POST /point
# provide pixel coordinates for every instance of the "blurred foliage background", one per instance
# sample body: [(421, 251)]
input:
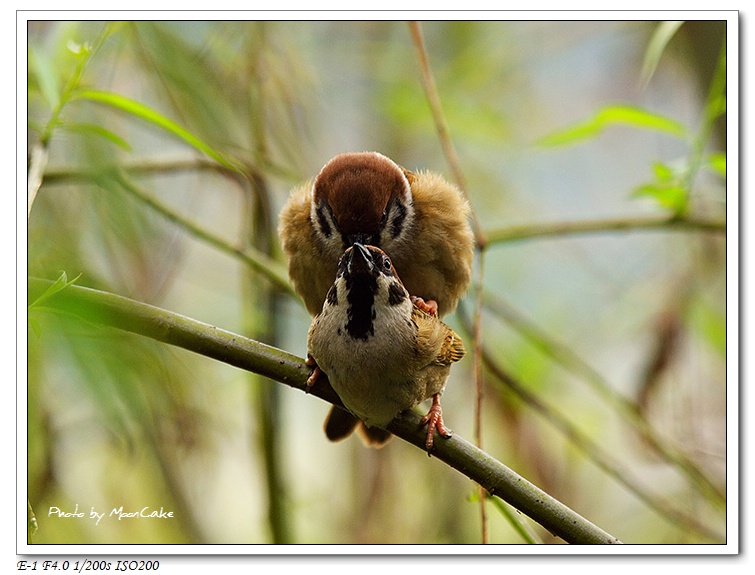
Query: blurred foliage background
[(165, 149)]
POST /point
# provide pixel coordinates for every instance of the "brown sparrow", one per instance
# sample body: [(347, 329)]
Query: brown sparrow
[(418, 219), (381, 352)]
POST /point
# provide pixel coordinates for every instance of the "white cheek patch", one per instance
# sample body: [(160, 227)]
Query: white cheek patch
[(395, 302)]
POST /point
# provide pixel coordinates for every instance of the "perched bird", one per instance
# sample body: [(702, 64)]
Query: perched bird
[(418, 219), (381, 352)]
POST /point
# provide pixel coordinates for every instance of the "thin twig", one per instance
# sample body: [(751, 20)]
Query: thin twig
[(562, 229), (478, 377), (441, 125), (431, 91), (713, 109), (168, 327), (84, 57), (255, 259), (143, 167), (251, 257), (37, 165)]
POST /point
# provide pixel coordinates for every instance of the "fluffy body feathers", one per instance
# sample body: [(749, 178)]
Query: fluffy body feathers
[(396, 357)]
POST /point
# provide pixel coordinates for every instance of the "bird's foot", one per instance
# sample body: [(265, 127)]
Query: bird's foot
[(430, 306), (316, 371), (434, 420)]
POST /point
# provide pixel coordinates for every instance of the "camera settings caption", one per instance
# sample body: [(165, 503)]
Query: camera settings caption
[(88, 565)]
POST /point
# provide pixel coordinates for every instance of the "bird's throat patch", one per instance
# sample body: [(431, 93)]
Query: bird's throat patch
[(361, 311)]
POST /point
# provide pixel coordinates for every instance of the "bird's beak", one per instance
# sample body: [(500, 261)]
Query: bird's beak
[(360, 258), (358, 238)]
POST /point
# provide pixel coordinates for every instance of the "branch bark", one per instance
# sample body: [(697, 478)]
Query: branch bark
[(168, 327)]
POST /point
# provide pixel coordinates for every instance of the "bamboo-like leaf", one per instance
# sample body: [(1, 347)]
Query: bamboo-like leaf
[(59, 284), (43, 71), (611, 116), (153, 117), (662, 172), (661, 37), (670, 195), (519, 526), (84, 128)]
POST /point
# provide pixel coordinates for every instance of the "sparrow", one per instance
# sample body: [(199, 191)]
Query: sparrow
[(419, 219), (382, 353)]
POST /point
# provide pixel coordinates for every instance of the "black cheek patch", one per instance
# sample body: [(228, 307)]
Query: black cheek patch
[(398, 221), (323, 221), (396, 294)]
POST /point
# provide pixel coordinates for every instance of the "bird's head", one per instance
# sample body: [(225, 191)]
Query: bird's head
[(361, 197), (368, 291)]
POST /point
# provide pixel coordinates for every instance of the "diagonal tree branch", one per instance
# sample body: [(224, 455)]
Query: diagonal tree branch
[(168, 327), (602, 458), (567, 358)]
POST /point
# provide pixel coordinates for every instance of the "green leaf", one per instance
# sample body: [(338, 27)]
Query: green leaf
[(518, 524), (59, 284), (96, 130), (669, 195), (610, 116), (717, 163), (42, 69), (153, 117), (661, 37), (717, 106), (663, 173)]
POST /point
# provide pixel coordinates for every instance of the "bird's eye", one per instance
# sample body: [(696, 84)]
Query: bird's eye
[(386, 264)]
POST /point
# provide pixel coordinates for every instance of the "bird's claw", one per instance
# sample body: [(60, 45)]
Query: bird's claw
[(434, 420), (430, 306)]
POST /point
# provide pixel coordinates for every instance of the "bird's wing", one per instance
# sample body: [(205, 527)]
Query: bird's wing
[(436, 339)]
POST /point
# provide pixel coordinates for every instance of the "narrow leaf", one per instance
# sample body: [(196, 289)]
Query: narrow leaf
[(614, 115), (672, 196), (519, 526), (661, 37), (42, 69), (59, 284), (98, 131), (639, 118), (662, 172), (153, 117)]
